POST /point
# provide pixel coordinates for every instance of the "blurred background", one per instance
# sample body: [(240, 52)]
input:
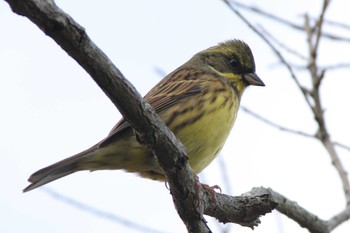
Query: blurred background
[(51, 109)]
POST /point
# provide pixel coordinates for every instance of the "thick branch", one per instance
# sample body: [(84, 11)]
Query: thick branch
[(150, 129), (190, 201), (244, 210)]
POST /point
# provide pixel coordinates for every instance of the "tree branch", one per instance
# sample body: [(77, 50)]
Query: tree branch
[(190, 200), (313, 38), (341, 145), (141, 116), (274, 49), (313, 100), (292, 25), (244, 210), (288, 130), (98, 212), (273, 124), (300, 215), (282, 45), (292, 210), (339, 219)]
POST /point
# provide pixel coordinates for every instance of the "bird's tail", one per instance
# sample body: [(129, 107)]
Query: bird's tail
[(59, 169)]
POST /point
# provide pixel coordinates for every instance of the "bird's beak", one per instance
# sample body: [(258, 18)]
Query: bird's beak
[(253, 79)]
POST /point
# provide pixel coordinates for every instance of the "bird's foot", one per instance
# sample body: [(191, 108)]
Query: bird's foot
[(207, 188)]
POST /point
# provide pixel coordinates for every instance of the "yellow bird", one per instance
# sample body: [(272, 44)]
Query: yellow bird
[(198, 102)]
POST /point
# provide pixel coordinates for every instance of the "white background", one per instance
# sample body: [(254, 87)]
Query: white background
[(51, 109)]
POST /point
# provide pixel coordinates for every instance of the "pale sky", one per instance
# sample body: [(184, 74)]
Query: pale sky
[(52, 109)]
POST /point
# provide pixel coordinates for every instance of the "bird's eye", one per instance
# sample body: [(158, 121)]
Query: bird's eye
[(234, 63)]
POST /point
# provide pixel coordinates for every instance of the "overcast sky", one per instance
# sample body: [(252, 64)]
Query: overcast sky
[(51, 109)]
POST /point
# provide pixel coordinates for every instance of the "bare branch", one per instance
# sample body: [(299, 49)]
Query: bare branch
[(292, 25), (317, 77), (294, 211), (337, 66), (244, 210), (312, 55), (98, 212), (274, 49), (141, 116), (224, 174), (335, 37), (288, 130), (339, 219), (312, 96), (305, 219), (324, 68), (273, 124), (337, 24), (190, 200), (339, 167), (341, 145), (319, 23), (269, 15), (282, 45)]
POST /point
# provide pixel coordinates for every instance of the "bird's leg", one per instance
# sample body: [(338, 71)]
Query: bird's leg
[(209, 189)]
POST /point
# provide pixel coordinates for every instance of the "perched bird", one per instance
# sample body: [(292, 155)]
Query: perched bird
[(198, 102)]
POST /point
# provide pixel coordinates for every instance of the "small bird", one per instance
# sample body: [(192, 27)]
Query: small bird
[(198, 101)]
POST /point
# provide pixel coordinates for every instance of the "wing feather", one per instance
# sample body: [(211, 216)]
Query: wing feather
[(175, 87)]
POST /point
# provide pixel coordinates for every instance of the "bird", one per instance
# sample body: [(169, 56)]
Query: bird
[(198, 102)]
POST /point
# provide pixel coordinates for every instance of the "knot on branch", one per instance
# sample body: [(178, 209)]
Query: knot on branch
[(244, 210)]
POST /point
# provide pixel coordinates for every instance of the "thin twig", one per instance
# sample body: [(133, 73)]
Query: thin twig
[(314, 34), (313, 39), (337, 66), (274, 49), (324, 68), (190, 200), (341, 145), (288, 130), (227, 186), (282, 45), (225, 175), (335, 37), (337, 24), (319, 24), (98, 212), (290, 24), (149, 128), (268, 15), (273, 124)]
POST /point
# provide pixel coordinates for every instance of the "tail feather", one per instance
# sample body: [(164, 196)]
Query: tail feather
[(58, 170)]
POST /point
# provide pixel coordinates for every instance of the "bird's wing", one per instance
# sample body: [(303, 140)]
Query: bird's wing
[(177, 86)]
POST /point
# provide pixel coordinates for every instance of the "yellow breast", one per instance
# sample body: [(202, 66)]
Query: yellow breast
[(205, 127)]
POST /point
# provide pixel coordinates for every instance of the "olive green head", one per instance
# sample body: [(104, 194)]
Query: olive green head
[(234, 61)]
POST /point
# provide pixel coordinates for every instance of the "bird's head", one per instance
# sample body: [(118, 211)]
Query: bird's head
[(234, 61)]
